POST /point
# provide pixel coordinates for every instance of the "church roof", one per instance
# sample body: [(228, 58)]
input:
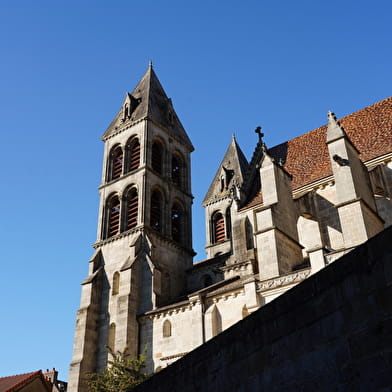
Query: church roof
[(235, 165), (306, 157), (13, 383), (150, 100)]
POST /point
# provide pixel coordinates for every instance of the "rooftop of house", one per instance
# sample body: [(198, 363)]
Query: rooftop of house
[(13, 383)]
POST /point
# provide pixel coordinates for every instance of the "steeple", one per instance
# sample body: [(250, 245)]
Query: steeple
[(148, 100), (231, 172)]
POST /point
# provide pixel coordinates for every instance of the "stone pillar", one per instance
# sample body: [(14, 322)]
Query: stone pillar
[(354, 197), (278, 248)]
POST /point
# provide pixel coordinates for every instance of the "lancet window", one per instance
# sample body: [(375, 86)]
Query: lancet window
[(133, 154), (177, 168), (157, 157), (131, 209), (116, 283), (115, 163), (113, 216), (156, 211), (177, 218), (218, 227)]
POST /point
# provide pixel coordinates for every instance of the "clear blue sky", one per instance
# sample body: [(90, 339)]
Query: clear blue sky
[(228, 66)]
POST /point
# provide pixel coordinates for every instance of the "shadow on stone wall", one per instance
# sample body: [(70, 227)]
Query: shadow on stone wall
[(333, 332)]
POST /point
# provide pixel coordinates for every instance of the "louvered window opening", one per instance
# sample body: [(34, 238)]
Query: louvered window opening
[(176, 171), (176, 223), (157, 157), (219, 228), (132, 207), (134, 158), (117, 163), (156, 212), (114, 217)]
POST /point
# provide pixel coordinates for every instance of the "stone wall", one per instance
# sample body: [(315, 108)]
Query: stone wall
[(333, 332)]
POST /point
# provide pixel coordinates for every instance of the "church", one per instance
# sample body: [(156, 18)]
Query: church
[(271, 222)]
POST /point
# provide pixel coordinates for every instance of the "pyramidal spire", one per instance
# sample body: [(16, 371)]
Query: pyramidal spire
[(334, 129), (150, 102), (233, 168)]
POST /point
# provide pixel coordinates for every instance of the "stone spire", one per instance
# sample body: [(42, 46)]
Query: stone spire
[(233, 169), (150, 101)]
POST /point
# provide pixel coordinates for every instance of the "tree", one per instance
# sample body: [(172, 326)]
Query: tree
[(120, 375)]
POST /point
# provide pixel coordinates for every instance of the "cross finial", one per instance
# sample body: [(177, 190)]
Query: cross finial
[(261, 134)]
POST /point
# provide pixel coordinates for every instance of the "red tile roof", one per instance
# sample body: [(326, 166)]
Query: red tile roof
[(306, 156), (12, 383)]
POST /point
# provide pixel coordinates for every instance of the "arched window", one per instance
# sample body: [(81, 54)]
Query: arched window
[(177, 170), (166, 329), (116, 283), (156, 211), (112, 336), (133, 154), (177, 217), (157, 157), (113, 213), (218, 227), (132, 209), (116, 163)]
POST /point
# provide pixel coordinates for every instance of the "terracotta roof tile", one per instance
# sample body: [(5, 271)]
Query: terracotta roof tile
[(11, 383), (306, 156)]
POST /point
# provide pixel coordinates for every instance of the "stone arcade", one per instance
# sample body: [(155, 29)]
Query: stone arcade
[(270, 224)]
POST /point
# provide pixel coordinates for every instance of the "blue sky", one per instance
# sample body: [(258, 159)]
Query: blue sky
[(229, 66)]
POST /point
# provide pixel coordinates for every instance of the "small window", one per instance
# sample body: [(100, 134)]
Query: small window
[(156, 211), (116, 283), (132, 209), (113, 216), (218, 226), (157, 157), (167, 329), (177, 222), (116, 163), (112, 336)]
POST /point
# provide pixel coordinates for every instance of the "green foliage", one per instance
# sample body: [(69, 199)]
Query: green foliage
[(120, 375)]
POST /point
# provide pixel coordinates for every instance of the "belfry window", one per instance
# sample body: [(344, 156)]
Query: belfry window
[(133, 154), (177, 217), (132, 209), (176, 170), (116, 163), (113, 216), (157, 157), (156, 211), (218, 227)]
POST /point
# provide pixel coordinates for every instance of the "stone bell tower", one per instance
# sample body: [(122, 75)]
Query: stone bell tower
[(144, 239)]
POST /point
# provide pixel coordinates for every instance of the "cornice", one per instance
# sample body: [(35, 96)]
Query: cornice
[(284, 280)]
